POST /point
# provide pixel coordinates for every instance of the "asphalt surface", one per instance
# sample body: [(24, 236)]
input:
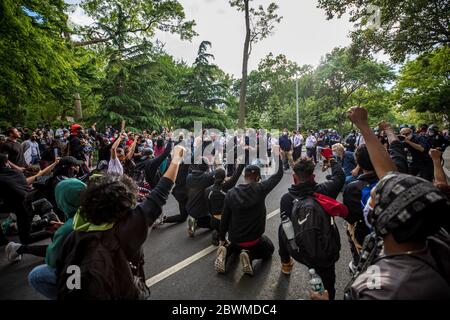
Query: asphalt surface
[(168, 245)]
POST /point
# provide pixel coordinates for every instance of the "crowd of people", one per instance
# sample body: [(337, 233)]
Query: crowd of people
[(95, 193)]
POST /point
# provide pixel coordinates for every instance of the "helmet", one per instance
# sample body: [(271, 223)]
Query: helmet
[(434, 128)]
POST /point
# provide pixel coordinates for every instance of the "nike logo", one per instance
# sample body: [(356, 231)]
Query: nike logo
[(300, 222)]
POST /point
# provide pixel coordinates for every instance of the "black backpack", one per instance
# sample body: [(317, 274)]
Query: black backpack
[(316, 234), (105, 271), (215, 198)]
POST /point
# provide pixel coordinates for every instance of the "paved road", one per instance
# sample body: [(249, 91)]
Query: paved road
[(169, 245)]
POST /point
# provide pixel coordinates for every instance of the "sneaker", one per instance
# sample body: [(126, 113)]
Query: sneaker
[(215, 238), (351, 267), (219, 264), (160, 221), (286, 268), (11, 252), (192, 225), (246, 263)]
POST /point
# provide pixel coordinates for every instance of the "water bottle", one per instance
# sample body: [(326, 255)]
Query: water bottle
[(289, 231), (316, 282)]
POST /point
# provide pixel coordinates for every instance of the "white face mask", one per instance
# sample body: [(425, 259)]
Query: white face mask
[(366, 212)]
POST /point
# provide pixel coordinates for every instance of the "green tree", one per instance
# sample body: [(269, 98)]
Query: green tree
[(135, 87), (35, 59), (398, 27), (118, 23), (273, 84), (340, 74), (202, 93), (424, 84), (259, 24)]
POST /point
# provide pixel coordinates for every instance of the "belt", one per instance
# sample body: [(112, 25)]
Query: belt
[(249, 243)]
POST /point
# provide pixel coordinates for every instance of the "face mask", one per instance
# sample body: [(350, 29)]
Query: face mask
[(367, 212)]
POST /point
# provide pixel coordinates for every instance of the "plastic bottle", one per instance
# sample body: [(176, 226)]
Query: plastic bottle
[(316, 282), (289, 231)]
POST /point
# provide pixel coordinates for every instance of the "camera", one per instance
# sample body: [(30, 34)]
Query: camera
[(44, 209), (401, 138)]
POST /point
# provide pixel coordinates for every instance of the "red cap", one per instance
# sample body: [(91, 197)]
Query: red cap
[(74, 128)]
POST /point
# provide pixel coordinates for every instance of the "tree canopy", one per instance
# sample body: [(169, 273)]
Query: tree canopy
[(120, 71)]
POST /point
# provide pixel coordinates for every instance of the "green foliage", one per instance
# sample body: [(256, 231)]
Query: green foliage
[(405, 26), (118, 23), (35, 60), (424, 83), (203, 93)]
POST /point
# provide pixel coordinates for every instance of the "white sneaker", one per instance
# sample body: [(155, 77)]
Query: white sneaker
[(246, 263), (11, 252), (219, 264)]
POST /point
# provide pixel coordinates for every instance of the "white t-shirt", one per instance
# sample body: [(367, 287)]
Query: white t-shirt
[(115, 167), (359, 140), (310, 141), (298, 140)]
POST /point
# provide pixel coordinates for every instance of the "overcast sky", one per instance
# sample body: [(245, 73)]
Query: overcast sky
[(304, 35)]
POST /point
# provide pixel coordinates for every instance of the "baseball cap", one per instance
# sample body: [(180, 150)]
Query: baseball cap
[(252, 170), (69, 160)]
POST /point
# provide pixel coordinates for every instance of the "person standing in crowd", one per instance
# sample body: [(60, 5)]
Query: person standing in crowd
[(350, 141), (298, 144), (244, 218), (436, 139), (60, 131), (76, 148), (13, 148), (334, 138), (34, 147), (311, 143), (418, 146), (303, 189), (286, 149)]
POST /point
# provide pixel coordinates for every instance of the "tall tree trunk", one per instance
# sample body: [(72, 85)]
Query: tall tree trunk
[(243, 91), (77, 107)]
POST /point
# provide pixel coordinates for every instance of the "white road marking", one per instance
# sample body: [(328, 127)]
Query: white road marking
[(188, 261)]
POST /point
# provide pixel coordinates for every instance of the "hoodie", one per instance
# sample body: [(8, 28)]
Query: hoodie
[(67, 195), (330, 188), (197, 182), (244, 212)]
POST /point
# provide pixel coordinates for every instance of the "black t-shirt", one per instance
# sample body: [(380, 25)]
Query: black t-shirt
[(14, 151), (417, 156), (14, 186)]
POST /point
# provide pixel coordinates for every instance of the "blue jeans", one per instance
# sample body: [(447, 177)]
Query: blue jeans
[(44, 280), (34, 159)]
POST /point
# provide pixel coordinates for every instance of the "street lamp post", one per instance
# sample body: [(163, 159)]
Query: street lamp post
[(296, 93)]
